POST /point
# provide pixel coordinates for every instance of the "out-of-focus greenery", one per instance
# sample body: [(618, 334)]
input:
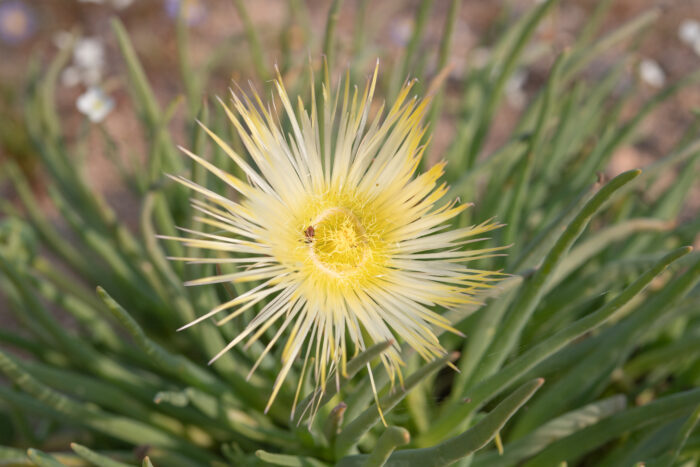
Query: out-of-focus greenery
[(14, 140), (597, 330)]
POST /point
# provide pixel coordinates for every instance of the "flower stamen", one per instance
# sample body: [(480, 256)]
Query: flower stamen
[(340, 245)]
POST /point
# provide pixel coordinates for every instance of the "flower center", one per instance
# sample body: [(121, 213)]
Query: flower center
[(337, 241)]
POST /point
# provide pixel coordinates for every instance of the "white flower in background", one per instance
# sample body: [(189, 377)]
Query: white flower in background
[(514, 89), (89, 53), (95, 104), (689, 31), (17, 22), (651, 73), (88, 60)]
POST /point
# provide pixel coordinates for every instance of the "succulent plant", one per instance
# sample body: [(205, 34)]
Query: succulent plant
[(584, 353)]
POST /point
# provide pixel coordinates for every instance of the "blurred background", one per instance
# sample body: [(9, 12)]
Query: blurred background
[(92, 95)]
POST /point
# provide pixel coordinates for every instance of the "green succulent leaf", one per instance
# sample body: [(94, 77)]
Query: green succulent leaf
[(94, 457), (468, 442), (523, 448)]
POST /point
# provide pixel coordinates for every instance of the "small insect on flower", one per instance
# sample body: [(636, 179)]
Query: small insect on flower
[(309, 233), (345, 244)]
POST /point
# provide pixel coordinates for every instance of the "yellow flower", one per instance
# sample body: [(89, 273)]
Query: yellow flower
[(346, 245)]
